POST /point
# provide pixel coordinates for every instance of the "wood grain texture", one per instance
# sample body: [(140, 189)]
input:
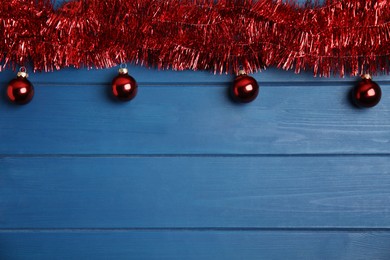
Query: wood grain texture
[(195, 245), (194, 120), (195, 192)]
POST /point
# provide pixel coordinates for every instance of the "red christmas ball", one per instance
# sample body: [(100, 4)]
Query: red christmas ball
[(366, 93), (244, 89), (20, 90), (124, 87)]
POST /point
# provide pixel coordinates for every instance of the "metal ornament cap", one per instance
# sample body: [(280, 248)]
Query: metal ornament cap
[(123, 71), (22, 74), (241, 72), (366, 76)]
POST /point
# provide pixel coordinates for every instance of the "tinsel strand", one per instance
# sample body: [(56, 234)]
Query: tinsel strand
[(336, 37)]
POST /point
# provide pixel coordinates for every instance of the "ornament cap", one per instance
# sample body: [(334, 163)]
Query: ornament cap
[(366, 76), (241, 72), (123, 71), (22, 74)]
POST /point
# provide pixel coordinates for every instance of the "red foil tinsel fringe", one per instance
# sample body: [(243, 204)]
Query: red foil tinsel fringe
[(337, 37)]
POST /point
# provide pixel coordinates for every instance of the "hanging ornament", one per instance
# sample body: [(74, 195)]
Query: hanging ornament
[(245, 88), (366, 93), (124, 86), (20, 90)]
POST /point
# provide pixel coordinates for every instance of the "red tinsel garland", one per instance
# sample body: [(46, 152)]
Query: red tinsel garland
[(344, 37)]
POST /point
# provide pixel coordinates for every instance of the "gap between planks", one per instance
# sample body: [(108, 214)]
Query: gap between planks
[(309, 155), (195, 229)]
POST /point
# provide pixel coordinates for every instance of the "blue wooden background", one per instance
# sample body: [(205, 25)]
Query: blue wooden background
[(181, 172)]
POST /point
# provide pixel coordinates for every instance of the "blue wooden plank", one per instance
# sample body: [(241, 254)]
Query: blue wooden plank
[(195, 245), (270, 76), (194, 120), (134, 192)]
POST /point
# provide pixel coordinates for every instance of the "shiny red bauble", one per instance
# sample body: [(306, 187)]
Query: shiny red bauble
[(244, 89), (20, 90), (366, 93), (124, 87)]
